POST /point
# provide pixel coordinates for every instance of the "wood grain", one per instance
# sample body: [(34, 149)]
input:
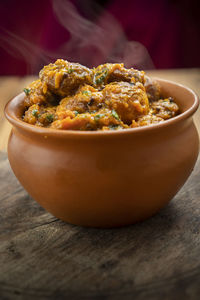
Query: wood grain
[(44, 258)]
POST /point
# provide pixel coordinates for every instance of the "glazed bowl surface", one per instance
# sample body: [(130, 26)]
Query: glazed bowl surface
[(109, 178)]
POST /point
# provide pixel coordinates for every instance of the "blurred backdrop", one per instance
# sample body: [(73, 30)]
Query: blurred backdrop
[(145, 34)]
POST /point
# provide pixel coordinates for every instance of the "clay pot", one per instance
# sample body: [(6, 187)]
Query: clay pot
[(110, 178)]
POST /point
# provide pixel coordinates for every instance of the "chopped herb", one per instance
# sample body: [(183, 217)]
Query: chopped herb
[(115, 115), (27, 91), (87, 93), (103, 74), (50, 118), (35, 112), (99, 80), (99, 116), (113, 126), (70, 71), (84, 115), (76, 112)]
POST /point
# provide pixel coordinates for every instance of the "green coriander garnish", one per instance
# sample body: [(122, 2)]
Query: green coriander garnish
[(100, 79), (113, 126), (83, 115), (115, 115), (70, 71), (87, 93), (50, 118), (76, 112), (35, 112), (99, 116), (27, 91)]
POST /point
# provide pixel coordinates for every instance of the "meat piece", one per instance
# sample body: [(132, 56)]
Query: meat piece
[(40, 115), (87, 99), (147, 120), (165, 108), (37, 93), (152, 88), (107, 73), (64, 78), (128, 100)]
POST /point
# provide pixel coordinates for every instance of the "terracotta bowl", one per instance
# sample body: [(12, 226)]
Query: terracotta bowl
[(105, 179)]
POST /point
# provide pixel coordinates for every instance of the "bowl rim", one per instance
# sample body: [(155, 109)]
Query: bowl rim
[(17, 122)]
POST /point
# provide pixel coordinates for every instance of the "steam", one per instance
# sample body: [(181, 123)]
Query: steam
[(22, 49), (94, 43), (91, 42)]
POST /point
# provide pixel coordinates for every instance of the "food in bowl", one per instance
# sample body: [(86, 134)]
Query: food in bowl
[(110, 97), (102, 178)]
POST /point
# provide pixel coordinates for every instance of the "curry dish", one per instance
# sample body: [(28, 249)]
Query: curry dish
[(109, 97)]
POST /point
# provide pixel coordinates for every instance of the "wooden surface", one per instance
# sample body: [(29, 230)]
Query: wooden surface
[(44, 258)]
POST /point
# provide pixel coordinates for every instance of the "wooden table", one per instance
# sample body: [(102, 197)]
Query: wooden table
[(44, 258)]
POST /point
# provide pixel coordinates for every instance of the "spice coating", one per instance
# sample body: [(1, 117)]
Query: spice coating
[(110, 97)]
